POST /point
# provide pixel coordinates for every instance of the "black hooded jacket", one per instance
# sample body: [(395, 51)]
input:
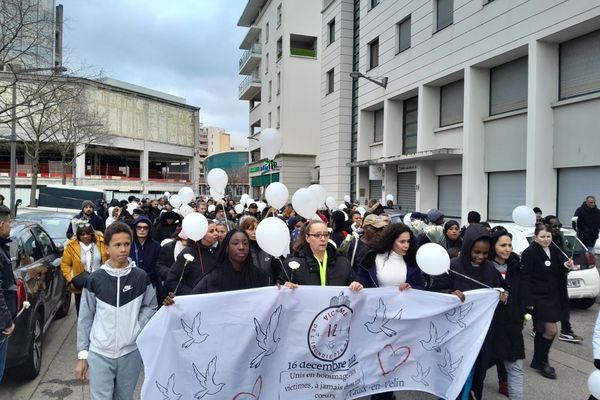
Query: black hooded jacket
[(146, 255), (485, 273), (185, 275), (588, 223)]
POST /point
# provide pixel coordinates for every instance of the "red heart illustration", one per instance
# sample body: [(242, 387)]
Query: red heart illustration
[(390, 359)]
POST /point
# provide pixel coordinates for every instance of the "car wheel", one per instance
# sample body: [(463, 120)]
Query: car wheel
[(31, 368), (63, 310), (583, 304)]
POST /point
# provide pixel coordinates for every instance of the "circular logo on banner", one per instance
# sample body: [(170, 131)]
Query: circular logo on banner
[(329, 332)]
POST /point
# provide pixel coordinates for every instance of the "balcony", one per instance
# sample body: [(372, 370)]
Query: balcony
[(250, 59), (250, 87), (255, 115)]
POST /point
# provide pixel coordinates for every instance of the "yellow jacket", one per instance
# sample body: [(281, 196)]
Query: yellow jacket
[(71, 260)]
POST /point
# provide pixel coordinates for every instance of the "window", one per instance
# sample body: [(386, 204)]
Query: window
[(330, 81), (279, 48), (378, 126), (267, 33), (27, 251), (270, 89), (267, 63), (452, 103), (278, 82), (580, 66), (301, 45), (46, 246), (409, 125), (279, 15), (278, 116), (269, 119), (374, 3), (374, 53), (508, 87), (444, 13), (331, 31), (403, 34)]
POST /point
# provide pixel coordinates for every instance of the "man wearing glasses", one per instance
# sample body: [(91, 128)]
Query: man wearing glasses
[(145, 250)]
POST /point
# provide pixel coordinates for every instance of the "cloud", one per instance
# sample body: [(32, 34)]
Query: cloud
[(188, 48)]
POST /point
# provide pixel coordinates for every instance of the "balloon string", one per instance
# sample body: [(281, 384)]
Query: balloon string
[(559, 249), (471, 279), (284, 271)]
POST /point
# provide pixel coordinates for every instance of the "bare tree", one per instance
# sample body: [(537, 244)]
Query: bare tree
[(39, 123), (78, 127)]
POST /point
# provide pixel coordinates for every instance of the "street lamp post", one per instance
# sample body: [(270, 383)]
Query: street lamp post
[(13, 132), (381, 81)]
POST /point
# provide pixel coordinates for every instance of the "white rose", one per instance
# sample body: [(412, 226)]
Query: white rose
[(188, 257), (294, 264), (26, 305)]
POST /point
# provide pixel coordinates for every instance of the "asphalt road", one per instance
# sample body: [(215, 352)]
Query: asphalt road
[(573, 363)]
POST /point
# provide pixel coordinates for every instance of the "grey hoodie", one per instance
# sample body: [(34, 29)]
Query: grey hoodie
[(116, 304)]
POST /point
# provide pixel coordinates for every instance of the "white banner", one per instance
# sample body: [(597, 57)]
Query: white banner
[(313, 343)]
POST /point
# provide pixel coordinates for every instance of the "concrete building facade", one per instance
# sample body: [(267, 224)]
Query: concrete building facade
[(218, 140), (488, 104), (281, 62)]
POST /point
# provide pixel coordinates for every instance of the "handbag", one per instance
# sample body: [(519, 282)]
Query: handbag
[(78, 281)]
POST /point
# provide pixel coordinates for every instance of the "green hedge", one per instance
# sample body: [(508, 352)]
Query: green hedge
[(303, 52)]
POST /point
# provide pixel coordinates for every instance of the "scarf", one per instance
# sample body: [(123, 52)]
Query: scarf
[(87, 255)]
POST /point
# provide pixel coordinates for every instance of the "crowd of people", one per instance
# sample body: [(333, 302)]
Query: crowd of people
[(138, 246)]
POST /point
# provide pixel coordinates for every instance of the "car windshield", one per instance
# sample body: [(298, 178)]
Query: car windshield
[(571, 245)]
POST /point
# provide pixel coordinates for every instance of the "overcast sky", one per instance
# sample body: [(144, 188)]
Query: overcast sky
[(188, 48)]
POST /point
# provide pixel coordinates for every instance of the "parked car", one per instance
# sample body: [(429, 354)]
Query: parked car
[(583, 284), (55, 223), (42, 295)]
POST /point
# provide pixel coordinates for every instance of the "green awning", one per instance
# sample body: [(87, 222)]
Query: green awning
[(264, 180)]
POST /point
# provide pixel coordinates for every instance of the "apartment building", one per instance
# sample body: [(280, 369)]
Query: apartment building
[(472, 104), (281, 65), (218, 140)]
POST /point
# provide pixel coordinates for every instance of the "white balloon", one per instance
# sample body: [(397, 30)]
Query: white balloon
[(216, 194), (261, 206), (195, 226), (211, 208), (330, 202), (304, 203), (273, 236), (238, 208), (524, 216), (347, 199), (131, 206), (342, 206), (270, 143), (175, 201), (361, 210), (389, 197), (186, 195), (249, 201), (433, 259), (407, 219), (594, 383), (185, 210), (167, 194), (217, 179), (244, 198), (277, 194), (319, 192)]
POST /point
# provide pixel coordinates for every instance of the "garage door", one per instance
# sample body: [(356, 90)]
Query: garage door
[(375, 190), (574, 185), (406, 196), (506, 190), (449, 195)]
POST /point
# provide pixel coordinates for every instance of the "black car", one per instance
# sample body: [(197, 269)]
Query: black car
[(42, 295), (55, 223)]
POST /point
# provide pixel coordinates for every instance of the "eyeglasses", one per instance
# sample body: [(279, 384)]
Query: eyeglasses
[(142, 227), (319, 235)]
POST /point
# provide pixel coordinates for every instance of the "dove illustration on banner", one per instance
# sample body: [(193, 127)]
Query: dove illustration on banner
[(266, 339), (207, 380), (421, 375), (168, 391), (255, 395), (379, 323), (449, 367), (434, 342), (193, 332), (457, 315)]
